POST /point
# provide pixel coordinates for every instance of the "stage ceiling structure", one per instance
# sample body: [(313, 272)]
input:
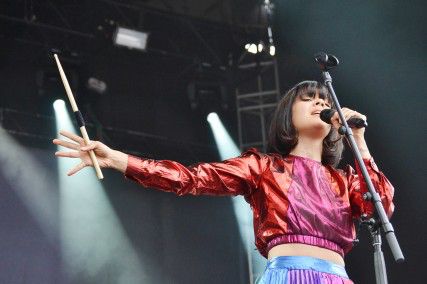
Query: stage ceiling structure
[(187, 34)]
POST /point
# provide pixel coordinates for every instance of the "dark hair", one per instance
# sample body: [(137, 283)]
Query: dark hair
[(283, 136)]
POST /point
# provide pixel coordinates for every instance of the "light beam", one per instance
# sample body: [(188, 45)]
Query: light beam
[(228, 149), (93, 241)]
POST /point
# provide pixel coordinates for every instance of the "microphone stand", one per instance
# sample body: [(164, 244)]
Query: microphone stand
[(381, 222)]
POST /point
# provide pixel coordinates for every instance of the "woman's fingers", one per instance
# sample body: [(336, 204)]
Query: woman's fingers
[(66, 144), (348, 113), (80, 148), (67, 154), (76, 169), (72, 136), (89, 147), (335, 120)]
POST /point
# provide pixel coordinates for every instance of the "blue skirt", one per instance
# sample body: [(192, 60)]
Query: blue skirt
[(303, 270)]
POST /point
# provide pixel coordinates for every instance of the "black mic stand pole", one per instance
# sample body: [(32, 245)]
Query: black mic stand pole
[(326, 62)]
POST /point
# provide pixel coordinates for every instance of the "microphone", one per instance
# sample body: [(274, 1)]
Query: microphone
[(326, 61), (353, 122)]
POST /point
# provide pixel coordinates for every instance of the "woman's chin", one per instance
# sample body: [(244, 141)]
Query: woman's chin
[(319, 129)]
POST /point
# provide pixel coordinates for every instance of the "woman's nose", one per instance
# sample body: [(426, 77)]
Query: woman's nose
[(320, 102)]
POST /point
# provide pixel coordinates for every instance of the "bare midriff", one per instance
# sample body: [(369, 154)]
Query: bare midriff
[(306, 250)]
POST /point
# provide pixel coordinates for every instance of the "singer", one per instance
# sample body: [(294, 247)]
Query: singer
[(303, 206)]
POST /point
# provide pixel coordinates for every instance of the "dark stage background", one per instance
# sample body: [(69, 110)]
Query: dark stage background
[(382, 48), (179, 240)]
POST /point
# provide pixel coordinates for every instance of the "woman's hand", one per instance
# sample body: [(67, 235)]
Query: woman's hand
[(358, 133), (105, 155), (348, 113)]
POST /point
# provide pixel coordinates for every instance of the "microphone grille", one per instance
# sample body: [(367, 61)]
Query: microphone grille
[(326, 115)]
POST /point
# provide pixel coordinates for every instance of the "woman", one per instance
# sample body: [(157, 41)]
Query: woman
[(303, 208)]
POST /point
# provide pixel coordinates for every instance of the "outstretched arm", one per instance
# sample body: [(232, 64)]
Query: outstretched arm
[(237, 176)]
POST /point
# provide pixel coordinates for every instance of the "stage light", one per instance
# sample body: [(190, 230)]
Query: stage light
[(58, 105), (208, 91), (260, 47), (131, 38), (272, 50), (226, 146), (211, 117), (96, 85), (252, 48)]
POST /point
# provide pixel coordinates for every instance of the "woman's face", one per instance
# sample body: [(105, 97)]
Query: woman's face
[(306, 116)]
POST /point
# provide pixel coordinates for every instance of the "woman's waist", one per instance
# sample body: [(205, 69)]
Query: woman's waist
[(312, 240), (298, 249)]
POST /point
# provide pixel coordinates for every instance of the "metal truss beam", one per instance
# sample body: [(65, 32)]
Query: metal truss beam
[(256, 98), (39, 130)]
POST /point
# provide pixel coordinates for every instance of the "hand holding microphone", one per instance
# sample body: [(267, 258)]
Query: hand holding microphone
[(355, 120)]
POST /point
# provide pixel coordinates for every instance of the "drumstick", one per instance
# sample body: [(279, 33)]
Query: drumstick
[(79, 117)]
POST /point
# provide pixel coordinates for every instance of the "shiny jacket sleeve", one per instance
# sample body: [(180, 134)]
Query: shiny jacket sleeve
[(236, 176), (357, 188)]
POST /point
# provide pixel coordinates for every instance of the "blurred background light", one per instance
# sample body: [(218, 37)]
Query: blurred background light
[(131, 38)]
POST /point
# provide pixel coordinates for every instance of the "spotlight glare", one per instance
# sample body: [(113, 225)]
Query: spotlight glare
[(272, 50), (58, 104), (226, 146), (253, 48), (212, 117)]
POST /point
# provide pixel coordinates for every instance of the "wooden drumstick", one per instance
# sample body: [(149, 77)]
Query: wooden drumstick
[(79, 117)]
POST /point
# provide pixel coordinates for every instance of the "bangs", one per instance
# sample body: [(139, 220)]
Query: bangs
[(310, 88)]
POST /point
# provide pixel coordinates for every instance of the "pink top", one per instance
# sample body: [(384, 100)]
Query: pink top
[(316, 214)]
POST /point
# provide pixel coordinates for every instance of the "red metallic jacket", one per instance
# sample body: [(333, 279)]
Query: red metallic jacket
[(293, 199)]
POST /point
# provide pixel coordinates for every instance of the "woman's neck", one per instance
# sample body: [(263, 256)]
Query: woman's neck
[(309, 148)]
